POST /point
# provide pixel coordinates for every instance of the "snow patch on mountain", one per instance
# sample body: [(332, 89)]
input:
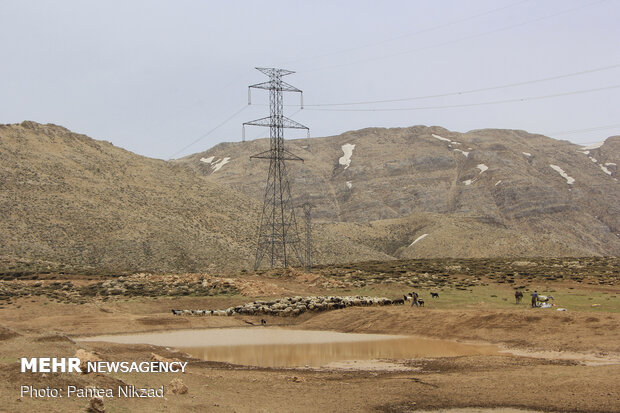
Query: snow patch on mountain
[(219, 163), (440, 138), (418, 239), (607, 171), (345, 159), (593, 146), (559, 170)]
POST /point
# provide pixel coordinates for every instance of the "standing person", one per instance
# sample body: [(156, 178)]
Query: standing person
[(414, 299), (518, 296), (534, 298)]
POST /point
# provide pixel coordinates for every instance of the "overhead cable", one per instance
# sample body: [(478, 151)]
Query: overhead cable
[(464, 92), (404, 35), (201, 137), (577, 92), (512, 26)]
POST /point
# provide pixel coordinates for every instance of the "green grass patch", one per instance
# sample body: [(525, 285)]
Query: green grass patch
[(496, 296)]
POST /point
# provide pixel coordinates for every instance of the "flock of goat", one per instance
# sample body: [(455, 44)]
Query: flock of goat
[(293, 306)]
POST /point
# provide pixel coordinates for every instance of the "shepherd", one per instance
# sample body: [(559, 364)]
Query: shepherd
[(518, 296)]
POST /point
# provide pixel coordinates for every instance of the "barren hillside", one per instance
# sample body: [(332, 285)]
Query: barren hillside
[(483, 193), (71, 203)]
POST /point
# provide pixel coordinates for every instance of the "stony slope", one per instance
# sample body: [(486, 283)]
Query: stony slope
[(482, 193), (71, 203)]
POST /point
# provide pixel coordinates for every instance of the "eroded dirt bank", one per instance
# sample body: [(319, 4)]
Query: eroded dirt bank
[(523, 328)]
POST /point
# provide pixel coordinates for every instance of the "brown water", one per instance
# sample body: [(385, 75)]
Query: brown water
[(275, 347)]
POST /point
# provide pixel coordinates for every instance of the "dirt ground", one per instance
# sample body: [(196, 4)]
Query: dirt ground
[(562, 361)]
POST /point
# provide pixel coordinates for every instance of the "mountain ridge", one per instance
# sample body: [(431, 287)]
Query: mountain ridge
[(71, 203), (506, 178)]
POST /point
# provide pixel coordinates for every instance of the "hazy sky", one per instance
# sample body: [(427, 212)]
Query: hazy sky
[(154, 76)]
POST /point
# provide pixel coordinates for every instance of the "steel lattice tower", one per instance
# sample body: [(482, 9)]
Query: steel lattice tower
[(278, 235), (307, 206)]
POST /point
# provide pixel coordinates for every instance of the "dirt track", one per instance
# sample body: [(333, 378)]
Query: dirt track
[(546, 382)]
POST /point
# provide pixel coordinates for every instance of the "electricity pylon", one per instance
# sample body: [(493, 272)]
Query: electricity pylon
[(278, 236)]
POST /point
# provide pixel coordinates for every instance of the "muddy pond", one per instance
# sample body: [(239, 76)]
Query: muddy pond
[(280, 347)]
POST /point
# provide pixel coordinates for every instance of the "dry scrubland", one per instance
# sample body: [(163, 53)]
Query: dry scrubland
[(95, 239), (569, 360)]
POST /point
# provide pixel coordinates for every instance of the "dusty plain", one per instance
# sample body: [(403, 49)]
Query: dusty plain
[(561, 361)]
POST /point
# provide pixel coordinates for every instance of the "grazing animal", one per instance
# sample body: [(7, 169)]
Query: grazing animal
[(177, 312), (421, 302), (518, 296), (434, 295), (263, 321), (544, 298)]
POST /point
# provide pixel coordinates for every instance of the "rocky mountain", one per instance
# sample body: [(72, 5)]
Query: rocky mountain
[(428, 192), (72, 203)]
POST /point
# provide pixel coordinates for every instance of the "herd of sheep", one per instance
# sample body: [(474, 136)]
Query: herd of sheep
[(294, 306)]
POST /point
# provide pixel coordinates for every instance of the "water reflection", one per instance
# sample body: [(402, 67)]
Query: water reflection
[(277, 347), (316, 355)]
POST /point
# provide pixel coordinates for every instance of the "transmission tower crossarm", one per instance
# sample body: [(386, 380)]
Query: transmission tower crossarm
[(260, 122), (291, 124), (283, 122), (269, 155), (283, 86), (273, 72), (291, 156)]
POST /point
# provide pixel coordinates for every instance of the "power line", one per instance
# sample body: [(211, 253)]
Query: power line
[(464, 92), (591, 129), (209, 132), (456, 40), (404, 35), (578, 92)]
